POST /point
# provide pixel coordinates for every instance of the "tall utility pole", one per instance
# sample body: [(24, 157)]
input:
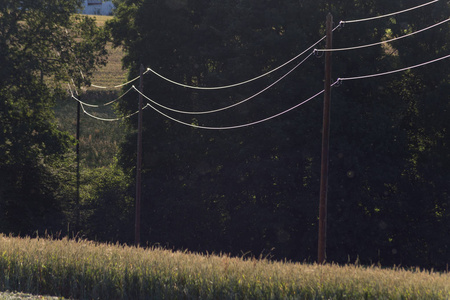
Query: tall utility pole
[(325, 147), (137, 227)]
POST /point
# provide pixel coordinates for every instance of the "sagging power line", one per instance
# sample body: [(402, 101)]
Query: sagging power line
[(341, 23), (383, 42), (229, 106), (119, 85), (394, 71), (242, 82), (390, 14), (236, 126), (83, 104), (336, 83), (106, 119), (260, 76), (289, 61), (100, 105)]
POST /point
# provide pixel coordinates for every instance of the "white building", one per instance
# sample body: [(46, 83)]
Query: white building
[(97, 7)]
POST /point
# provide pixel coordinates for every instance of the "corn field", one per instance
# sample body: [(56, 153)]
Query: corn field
[(87, 270)]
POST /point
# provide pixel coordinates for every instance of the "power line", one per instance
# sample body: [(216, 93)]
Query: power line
[(117, 86), (83, 104), (339, 80), (239, 83), (382, 42), (388, 15), (237, 126), (286, 63), (109, 120), (101, 105), (230, 106), (75, 86), (260, 76), (312, 46), (394, 71)]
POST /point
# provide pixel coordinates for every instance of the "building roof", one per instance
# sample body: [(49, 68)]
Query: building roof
[(97, 7)]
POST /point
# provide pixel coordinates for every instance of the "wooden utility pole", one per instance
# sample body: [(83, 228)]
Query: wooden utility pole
[(137, 227), (325, 147)]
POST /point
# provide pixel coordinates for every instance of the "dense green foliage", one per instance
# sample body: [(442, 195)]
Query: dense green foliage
[(256, 189), (41, 45), (85, 270)]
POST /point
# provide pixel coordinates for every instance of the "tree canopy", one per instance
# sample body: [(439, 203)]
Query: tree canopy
[(42, 44), (256, 189)]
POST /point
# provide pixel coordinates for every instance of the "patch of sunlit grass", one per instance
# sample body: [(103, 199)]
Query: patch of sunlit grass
[(100, 20), (112, 74)]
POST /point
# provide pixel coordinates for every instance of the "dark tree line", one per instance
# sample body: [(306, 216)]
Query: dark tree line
[(256, 189)]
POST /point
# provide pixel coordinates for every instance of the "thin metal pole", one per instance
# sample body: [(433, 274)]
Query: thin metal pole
[(137, 227), (77, 137), (325, 147)]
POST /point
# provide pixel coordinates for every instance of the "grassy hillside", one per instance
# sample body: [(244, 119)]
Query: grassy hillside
[(85, 270), (112, 74), (101, 20)]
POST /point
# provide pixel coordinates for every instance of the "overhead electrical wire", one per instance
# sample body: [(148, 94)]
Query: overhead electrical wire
[(260, 76), (115, 86), (390, 14), (83, 104), (70, 89), (383, 42), (109, 120), (229, 106), (286, 63), (100, 105), (119, 85), (237, 126), (242, 82), (394, 71), (337, 82)]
